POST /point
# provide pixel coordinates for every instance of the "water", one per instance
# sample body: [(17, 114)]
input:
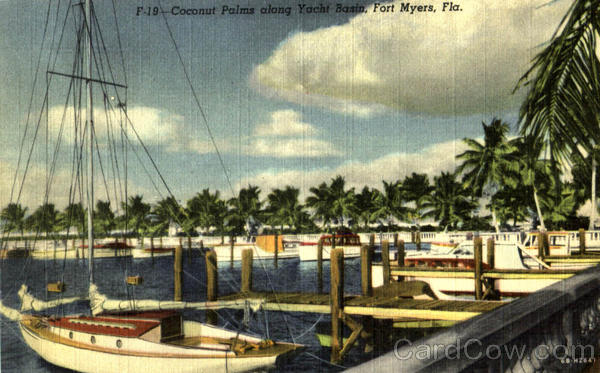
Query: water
[(291, 275)]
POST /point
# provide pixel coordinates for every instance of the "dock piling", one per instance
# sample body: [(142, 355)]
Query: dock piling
[(246, 271), (478, 244), (385, 258), (276, 254), (401, 255), (337, 302), (231, 247), (372, 240), (418, 240), (366, 275), (212, 284), (490, 291), (177, 273), (320, 266), (582, 241)]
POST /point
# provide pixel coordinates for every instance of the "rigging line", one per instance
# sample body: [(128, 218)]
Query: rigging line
[(30, 101), (113, 154), (119, 41), (210, 134), (106, 188)]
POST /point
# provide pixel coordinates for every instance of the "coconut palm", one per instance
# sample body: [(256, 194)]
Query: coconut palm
[(449, 203), (104, 217), (562, 105), (166, 211), (205, 210), (320, 202), (284, 208), (343, 202), (245, 209), (13, 218), (489, 166), (390, 203), (137, 214), (415, 187), (44, 219), (366, 206), (74, 215)]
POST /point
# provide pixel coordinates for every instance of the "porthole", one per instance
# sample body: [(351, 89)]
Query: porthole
[(93, 340), (119, 343), (71, 335)]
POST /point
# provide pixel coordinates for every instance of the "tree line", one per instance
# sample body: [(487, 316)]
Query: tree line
[(508, 174)]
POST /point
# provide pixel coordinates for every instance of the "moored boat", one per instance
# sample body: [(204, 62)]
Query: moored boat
[(348, 242)]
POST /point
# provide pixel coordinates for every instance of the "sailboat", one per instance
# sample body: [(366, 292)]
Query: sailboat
[(136, 335)]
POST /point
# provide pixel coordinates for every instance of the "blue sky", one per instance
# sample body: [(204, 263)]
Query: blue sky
[(291, 99)]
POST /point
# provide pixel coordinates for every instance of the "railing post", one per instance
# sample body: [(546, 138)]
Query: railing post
[(177, 271), (246, 271), (477, 243), (385, 258), (365, 270), (582, 241), (212, 284), (337, 302)]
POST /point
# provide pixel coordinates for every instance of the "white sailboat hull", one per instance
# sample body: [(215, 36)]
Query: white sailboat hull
[(137, 355)]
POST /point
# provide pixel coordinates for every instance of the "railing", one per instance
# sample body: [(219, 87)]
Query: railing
[(555, 329)]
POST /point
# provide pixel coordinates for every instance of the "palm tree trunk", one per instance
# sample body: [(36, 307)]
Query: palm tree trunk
[(495, 221), (537, 207), (593, 201)]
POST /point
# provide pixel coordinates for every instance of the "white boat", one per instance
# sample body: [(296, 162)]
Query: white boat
[(263, 247), (348, 242), (149, 252), (507, 256), (128, 337)]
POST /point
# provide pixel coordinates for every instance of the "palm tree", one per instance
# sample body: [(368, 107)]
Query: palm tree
[(366, 206), (343, 202), (245, 209), (415, 187), (320, 202), (449, 203), (205, 210), (166, 211), (390, 203), (562, 106), (44, 219), (137, 214), (284, 208), (104, 217), (489, 166), (74, 215), (13, 218)]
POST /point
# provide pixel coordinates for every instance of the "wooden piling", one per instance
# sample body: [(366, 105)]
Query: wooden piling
[(177, 273), (276, 254), (190, 253), (401, 254), (478, 244), (582, 241), (212, 284), (320, 266), (545, 244), (490, 292), (246, 271), (76, 248), (418, 240), (231, 248), (385, 258), (337, 302), (152, 248), (366, 276), (372, 240)]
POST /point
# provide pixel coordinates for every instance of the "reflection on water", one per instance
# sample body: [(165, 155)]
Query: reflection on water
[(110, 273)]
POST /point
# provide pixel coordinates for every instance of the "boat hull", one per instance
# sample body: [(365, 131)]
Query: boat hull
[(60, 348), (224, 252), (311, 252)]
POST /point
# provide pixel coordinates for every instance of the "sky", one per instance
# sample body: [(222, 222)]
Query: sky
[(288, 99)]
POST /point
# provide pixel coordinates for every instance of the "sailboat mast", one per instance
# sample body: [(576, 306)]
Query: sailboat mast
[(90, 119)]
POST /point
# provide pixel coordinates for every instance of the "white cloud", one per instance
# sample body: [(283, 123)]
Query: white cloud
[(154, 126), (286, 136), (285, 123), (438, 63), (390, 167)]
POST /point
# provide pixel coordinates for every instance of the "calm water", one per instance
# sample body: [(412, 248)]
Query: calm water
[(292, 275)]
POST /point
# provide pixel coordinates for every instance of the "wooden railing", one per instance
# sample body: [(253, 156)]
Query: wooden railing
[(554, 329)]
